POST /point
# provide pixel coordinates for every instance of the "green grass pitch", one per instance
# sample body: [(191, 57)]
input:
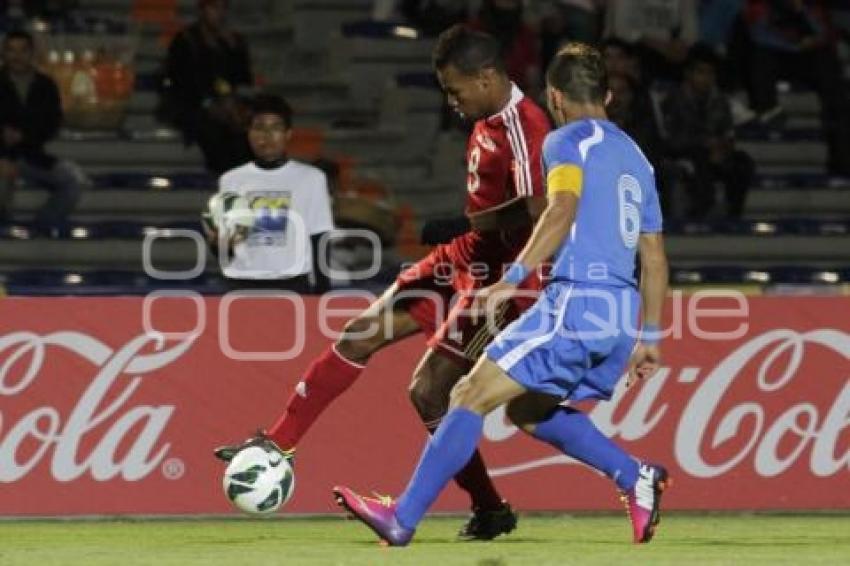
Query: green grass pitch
[(574, 539)]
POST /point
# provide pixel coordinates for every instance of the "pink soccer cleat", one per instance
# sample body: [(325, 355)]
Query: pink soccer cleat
[(643, 501), (377, 513)]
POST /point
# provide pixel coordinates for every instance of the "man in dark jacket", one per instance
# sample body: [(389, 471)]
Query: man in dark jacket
[(207, 69), (793, 40), (30, 116), (698, 123)]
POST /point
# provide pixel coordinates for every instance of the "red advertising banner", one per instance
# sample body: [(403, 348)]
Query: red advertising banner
[(113, 406)]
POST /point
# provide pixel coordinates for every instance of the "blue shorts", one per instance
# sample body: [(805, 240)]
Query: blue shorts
[(574, 342)]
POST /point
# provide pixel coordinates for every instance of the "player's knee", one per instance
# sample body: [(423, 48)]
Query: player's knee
[(354, 349), (360, 339), (531, 408), (468, 394), (519, 414), (459, 393)]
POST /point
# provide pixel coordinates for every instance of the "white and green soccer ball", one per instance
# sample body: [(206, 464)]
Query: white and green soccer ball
[(228, 212), (258, 481)]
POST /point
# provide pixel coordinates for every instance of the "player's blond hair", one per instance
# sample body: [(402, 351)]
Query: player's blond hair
[(578, 71)]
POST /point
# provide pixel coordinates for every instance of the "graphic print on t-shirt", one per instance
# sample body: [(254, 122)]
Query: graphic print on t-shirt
[(271, 217)]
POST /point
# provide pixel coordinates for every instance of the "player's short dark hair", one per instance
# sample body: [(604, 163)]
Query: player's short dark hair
[(467, 50), (19, 34), (273, 104), (578, 71), (701, 54)]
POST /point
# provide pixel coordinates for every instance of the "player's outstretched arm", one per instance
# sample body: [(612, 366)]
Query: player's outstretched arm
[(653, 288), (549, 232)]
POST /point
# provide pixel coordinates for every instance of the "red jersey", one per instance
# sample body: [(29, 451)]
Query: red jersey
[(504, 161), (504, 155)]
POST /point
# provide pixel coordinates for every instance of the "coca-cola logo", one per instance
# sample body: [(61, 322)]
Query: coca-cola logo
[(808, 429), (105, 404)]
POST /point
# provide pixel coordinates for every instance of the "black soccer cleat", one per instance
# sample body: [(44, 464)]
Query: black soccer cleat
[(226, 453), (488, 524)]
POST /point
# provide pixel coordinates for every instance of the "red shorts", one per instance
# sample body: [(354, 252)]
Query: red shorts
[(437, 292)]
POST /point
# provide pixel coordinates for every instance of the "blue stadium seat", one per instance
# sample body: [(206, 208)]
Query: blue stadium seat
[(116, 282), (792, 181), (93, 230), (756, 228), (376, 30), (105, 282), (147, 181), (736, 274), (772, 227), (147, 82), (421, 80), (760, 133)]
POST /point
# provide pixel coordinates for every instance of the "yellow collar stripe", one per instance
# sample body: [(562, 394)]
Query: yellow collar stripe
[(565, 178)]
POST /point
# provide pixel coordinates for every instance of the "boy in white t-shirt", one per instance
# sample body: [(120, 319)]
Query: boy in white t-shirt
[(291, 210)]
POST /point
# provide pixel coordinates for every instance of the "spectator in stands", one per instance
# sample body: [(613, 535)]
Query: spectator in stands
[(569, 20), (621, 59), (839, 13), (792, 40), (723, 27), (291, 210), (30, 116), (716, 20), (503, 19), (698, 122), (208, 70), (662, 32), (631, 109)]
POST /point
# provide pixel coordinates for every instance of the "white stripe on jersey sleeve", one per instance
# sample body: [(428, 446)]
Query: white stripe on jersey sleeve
[(519, 180), (526, 162)]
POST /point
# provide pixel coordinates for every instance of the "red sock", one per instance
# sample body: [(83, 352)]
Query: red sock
[(327, 377), (474, 480)]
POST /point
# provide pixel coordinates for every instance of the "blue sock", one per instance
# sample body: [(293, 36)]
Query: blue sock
[(573, 433), (448, 450)]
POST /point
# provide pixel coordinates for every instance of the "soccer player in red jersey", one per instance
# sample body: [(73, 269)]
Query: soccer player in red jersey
[(505, 192)]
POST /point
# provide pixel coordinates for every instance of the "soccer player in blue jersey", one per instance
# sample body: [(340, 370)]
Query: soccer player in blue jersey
[(577, 339)]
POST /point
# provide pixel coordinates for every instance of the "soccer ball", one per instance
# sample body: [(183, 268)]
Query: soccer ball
[(228, 212), (259, 482)]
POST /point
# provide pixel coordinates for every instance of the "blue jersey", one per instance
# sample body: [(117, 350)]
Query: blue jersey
[(618, 201)]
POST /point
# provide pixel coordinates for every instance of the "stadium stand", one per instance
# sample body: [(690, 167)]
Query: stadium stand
[(367, 104)]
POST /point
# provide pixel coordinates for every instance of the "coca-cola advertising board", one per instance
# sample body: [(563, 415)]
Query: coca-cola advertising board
[(113, 406)]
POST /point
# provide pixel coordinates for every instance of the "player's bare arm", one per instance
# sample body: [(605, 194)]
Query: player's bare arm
[(515, 212), (653, 288)]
